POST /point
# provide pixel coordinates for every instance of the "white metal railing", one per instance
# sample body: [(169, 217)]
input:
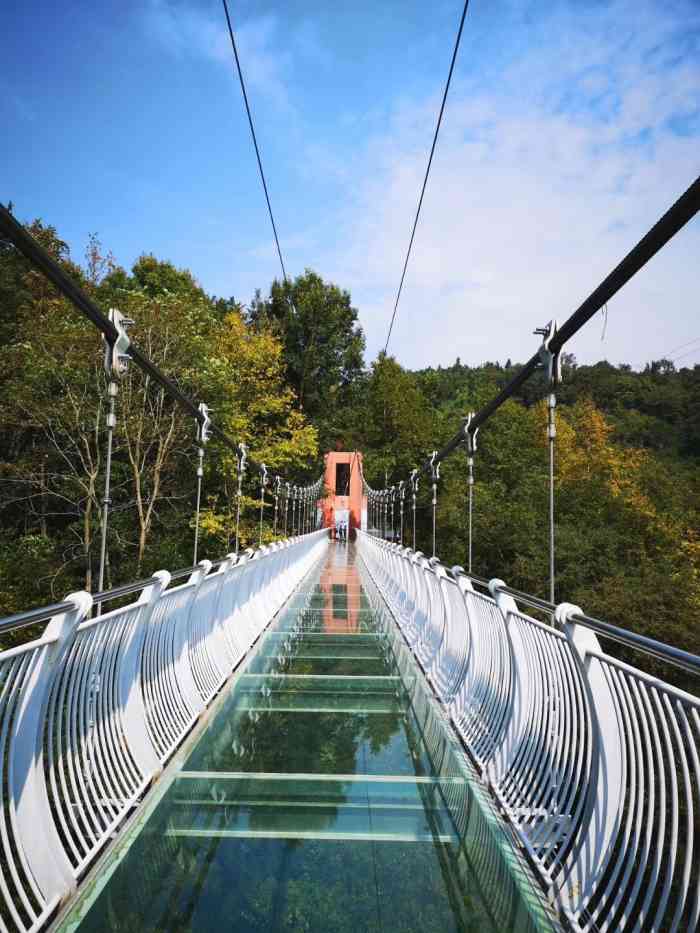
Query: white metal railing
[(91, 711), (594, 763)]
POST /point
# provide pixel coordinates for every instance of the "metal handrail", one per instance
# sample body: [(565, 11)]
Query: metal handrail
[(126, 589), (31, 616), (678, 657)]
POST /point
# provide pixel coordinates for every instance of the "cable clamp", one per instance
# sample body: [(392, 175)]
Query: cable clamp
[(548, 358), (434, 467), (470, 433), (117, 351), (203, 423)]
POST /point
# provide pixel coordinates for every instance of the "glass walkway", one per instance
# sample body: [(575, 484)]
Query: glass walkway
[(325, 793)]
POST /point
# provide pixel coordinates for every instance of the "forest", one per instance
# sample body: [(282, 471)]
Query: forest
[(287, 374)]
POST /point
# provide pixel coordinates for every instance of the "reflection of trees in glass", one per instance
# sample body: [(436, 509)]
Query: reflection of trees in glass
[(340, 600)]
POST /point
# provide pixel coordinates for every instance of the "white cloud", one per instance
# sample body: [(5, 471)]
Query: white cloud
[(538, 189), (188, 30)]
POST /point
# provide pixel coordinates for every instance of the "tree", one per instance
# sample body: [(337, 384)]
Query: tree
[(397, 420), (255, 406), (323, 342), (52, 419)]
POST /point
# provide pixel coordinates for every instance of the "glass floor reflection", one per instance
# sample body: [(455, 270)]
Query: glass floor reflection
[(326, 793)]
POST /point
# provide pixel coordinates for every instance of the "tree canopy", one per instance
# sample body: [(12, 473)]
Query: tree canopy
[(287, 375)]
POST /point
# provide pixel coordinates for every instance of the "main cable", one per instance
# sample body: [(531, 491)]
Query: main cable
[(255, 140), (427, 171)]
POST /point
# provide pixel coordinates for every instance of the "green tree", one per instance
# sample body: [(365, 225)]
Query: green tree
[(323, 343)]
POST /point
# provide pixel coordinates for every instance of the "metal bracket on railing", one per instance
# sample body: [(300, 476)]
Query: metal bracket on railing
[(504, 601), (463, 581)]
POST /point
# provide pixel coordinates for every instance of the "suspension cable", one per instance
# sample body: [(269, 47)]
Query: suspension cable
[(675, 218), (255, 140), (427, 171), (40, 258)]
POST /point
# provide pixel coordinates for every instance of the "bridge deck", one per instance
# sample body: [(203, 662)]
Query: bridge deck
[(325, 794)]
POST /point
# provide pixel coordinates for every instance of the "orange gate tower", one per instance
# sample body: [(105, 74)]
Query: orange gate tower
[(344, 500)]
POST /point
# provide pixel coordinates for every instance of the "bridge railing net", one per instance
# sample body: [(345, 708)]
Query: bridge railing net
[(91, 711), (595, 764)]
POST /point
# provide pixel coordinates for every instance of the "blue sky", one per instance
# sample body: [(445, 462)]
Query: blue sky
[(570, 128)]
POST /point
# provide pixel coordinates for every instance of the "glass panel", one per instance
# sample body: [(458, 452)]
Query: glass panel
[(326, 795)]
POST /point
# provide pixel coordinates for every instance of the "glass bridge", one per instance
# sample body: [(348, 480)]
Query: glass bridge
[(324, 792)]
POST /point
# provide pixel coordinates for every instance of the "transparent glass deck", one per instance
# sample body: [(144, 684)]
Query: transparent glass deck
[(325, 794)]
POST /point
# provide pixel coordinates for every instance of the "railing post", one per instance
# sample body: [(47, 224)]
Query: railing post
[(606, 791), (42, 848), (182, 641), (130, 685), (402, 493)]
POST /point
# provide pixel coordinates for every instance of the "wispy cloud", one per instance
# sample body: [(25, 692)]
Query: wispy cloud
[(186, 30), (268, 49), (542, 181)]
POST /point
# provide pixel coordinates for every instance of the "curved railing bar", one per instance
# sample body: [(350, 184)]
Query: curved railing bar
[(685, 660), (92, 709), (594, 763)]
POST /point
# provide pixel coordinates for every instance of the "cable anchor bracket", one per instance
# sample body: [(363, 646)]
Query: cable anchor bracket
[(549, 358), (203, 424), (434, 468), (117, 350)]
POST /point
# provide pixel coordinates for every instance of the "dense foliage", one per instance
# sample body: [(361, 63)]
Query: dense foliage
[(287, 375)]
